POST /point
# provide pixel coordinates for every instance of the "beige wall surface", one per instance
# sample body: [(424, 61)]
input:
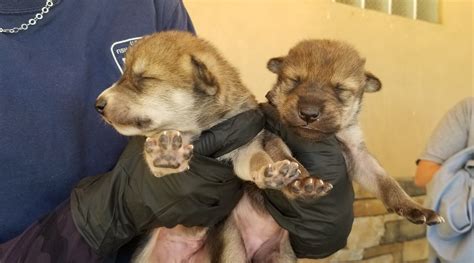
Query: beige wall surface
[(425, 68)]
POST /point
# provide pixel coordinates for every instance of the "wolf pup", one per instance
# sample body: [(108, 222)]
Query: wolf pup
[(176, 85), (318, 92)]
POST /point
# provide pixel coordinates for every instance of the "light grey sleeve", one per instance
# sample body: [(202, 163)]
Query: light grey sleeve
[(454, 133)]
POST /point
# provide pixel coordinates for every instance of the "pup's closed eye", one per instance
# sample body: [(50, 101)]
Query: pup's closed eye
[(339, 88), (294, 80), (149, 78), (142, 80)]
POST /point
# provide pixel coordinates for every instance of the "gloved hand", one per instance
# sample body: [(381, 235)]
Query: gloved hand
[(112, 208), (317, 227)]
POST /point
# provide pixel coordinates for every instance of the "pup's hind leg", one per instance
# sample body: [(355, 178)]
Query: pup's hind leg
[(250, 234), (276, 250), (367, 171), (174, 245), (228, 247)]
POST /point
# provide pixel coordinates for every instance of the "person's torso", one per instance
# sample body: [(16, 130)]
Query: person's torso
[(50, 76)]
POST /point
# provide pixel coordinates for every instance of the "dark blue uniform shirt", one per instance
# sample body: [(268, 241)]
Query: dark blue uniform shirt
[(50, 76)]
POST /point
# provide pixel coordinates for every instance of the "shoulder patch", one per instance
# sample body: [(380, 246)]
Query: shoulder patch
[(118, 50)]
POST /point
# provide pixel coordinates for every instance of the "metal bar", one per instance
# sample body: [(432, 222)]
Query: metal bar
[(415, 9)]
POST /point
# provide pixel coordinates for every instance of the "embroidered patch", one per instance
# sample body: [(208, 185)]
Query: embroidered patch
[(118, 50)]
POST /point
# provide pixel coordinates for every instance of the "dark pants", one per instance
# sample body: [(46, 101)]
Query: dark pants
[(53, 239)]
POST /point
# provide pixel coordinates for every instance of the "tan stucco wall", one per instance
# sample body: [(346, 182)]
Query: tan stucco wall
[(425, 68)]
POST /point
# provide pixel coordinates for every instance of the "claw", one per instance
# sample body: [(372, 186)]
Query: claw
[(296, 175), (295, 186), (284, 169), (437, 220), (309, 185), (279, 174), (268, 172)]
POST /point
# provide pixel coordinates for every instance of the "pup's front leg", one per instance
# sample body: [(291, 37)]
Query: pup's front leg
[(167, 153), (366, 171), (274, 175), (267, 162), (306, 186), (252, 163)]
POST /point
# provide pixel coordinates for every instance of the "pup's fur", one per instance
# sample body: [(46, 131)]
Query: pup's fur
[(175, 86), (318, 93), (176, 82)]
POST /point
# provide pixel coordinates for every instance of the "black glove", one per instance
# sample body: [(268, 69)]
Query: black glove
[(317, 227), (112, 208)]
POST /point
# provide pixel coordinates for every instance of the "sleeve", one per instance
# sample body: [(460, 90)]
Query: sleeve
[(452, 133), (110, 209), (229, 135), (172, 15)]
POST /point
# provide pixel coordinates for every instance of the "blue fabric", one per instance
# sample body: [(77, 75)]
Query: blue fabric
[(452, 196), (50, 76)]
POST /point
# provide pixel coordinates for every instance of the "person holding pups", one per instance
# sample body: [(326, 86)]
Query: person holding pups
[(51, 73), (40, 178), (103, 181)]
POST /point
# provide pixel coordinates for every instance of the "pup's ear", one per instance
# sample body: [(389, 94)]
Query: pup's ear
[(204, 79), (274, 64), (372, 83)]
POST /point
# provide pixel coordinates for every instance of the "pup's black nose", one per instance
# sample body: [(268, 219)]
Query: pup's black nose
[(309, 113), (100, 105)]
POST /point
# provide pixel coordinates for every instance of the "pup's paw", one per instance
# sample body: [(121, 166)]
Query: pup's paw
[(279, 174), (166, 154), (308, 187), (417, 214)]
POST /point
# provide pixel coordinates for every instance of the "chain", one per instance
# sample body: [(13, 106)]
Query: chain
[(31, 22)]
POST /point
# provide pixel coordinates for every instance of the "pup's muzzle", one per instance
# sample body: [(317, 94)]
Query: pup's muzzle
[(100, 104), (308, 113)]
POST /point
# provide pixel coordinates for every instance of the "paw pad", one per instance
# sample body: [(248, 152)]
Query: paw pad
[(310, 187), (166, 151), (280, 174)]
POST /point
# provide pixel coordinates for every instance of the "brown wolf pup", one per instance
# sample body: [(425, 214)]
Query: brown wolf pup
[(176, 85), (319, 91)]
